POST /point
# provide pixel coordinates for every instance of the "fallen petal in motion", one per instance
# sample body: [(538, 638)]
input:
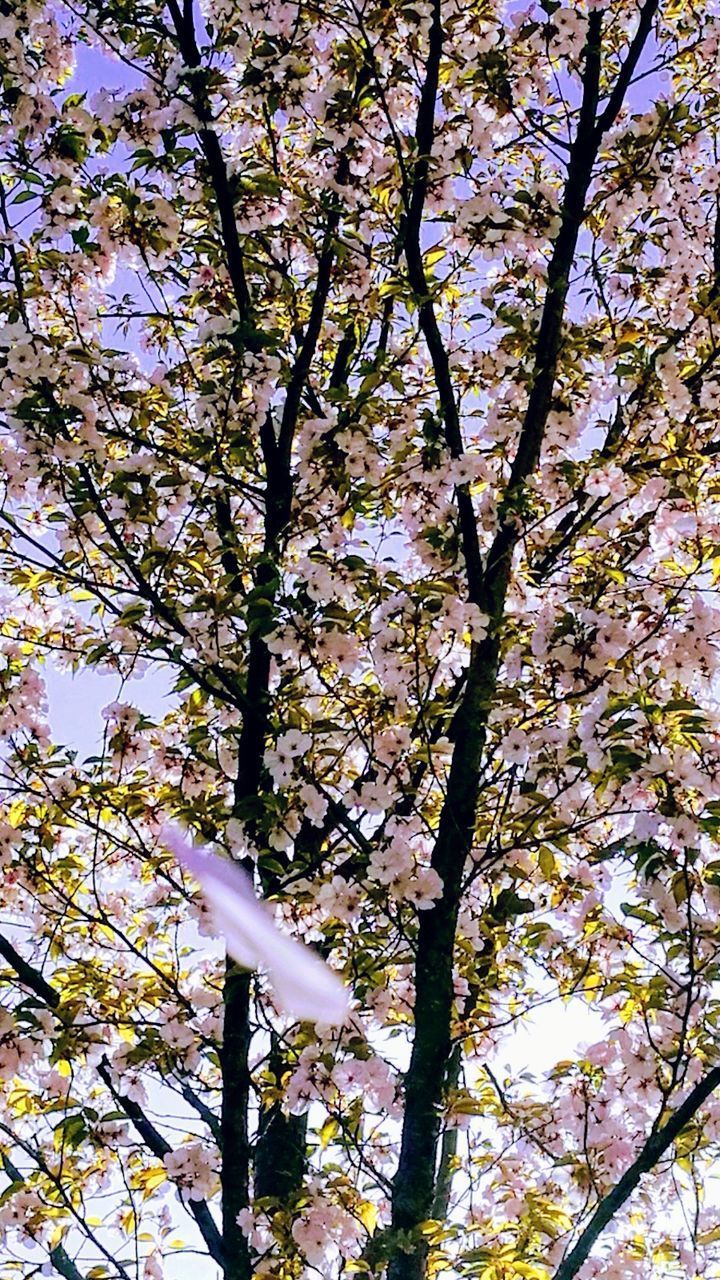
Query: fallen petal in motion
[(305, 986)]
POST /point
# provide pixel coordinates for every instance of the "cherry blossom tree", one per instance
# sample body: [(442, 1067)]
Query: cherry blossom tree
[(359, 380)]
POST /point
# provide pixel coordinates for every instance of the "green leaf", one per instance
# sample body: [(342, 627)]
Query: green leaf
[(546, 859), (509, 904), (638, 913)]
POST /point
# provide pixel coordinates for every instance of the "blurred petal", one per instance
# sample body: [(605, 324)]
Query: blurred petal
[(305, 986)]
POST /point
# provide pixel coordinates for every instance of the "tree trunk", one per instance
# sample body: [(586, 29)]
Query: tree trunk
[(234, 1120), (281, 1142)]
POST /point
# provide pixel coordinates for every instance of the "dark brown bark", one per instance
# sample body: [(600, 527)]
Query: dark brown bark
[(234, 1120), (280, 1153), (448, 1148), (414, 1183)]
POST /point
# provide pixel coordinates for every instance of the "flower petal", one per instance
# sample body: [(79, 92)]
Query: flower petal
[(304, 984)]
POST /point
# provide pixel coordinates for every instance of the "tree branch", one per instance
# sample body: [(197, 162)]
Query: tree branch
[(610, 113), (655, 1147), (155, 1142), (425, 1080), (36, 1155), (61, 1260), (411, 239), (28, 975), (211, 1120), (64, 1264), (215, 160)]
